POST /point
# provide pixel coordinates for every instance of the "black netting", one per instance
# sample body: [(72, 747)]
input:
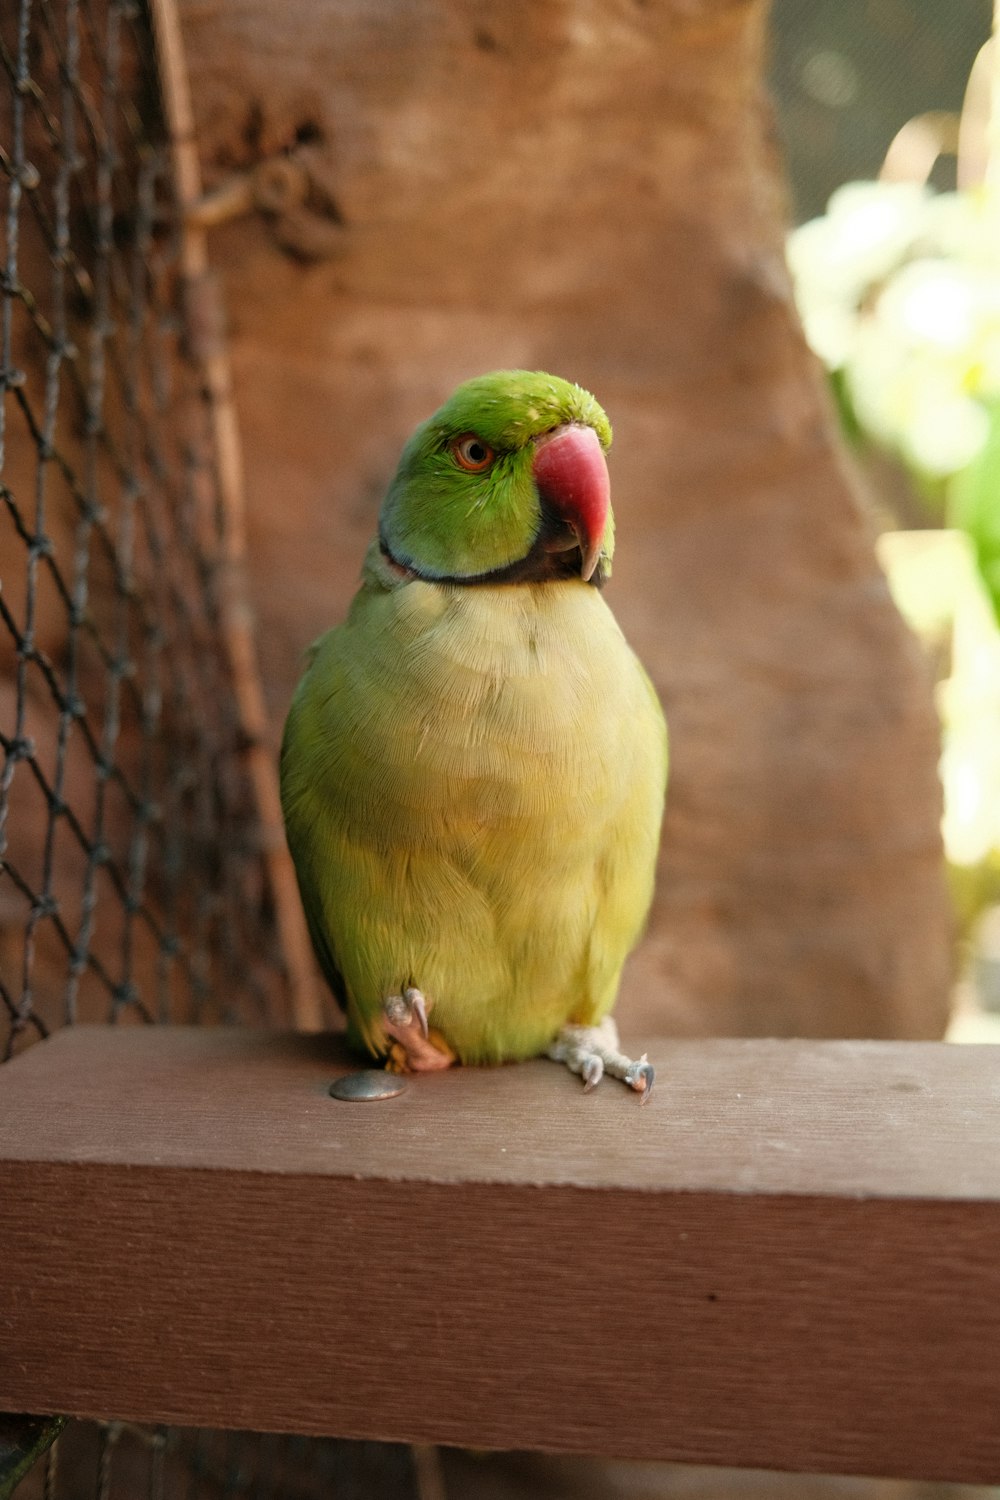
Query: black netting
[(133, 882)]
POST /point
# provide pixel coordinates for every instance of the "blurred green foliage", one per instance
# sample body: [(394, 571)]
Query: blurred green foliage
[(898, 287)]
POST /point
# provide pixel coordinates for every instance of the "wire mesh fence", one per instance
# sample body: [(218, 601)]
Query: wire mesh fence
[(133, 862), (132, 882)]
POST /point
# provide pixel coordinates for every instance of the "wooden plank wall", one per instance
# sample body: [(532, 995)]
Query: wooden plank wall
[(790, 1259)]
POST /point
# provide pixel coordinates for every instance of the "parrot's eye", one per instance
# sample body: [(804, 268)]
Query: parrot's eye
[(472, 453)]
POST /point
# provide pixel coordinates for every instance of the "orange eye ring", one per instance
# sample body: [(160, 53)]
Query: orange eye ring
[(472, 454)]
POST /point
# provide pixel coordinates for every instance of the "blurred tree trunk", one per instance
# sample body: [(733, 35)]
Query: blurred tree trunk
[(592, 188)]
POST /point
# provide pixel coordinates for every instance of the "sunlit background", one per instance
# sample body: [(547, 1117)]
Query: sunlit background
[(890, 120)]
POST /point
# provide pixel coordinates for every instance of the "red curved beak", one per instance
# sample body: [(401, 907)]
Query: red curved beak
[(572, 478)]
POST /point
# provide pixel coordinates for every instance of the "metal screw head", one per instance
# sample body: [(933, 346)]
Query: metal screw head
[(371, 1084)]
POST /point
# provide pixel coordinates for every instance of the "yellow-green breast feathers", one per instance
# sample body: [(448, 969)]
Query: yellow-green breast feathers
[(473, 771)]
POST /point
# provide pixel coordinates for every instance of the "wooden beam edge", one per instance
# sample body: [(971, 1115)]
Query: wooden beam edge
[(794, 1265)]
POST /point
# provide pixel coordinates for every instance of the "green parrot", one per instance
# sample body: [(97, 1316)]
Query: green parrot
[(474, 764)]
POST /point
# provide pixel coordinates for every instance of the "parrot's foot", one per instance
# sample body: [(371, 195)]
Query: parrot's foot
[(592, 1051), (415, 1048)]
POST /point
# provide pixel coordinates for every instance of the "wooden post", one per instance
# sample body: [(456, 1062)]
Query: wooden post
[(207, 338)]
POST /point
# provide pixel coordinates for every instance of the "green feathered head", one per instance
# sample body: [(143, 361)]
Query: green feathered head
[(505, 483)]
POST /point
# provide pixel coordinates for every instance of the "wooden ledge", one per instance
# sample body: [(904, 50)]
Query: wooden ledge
[(789, 1259)]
